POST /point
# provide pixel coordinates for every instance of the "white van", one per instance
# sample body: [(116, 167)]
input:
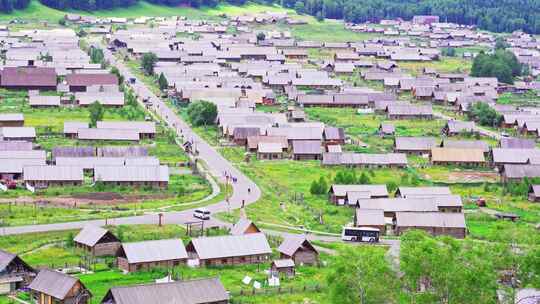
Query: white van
[(201, 213)]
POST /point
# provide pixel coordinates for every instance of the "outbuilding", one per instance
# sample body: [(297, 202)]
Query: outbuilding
[(299, 249), (97, 241), (146, 255)]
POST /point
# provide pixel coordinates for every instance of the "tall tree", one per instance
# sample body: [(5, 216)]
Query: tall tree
[(148, 62), (362, 276), (97, 111)]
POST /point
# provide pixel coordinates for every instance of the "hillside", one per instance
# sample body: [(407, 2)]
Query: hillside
[(37, 11)]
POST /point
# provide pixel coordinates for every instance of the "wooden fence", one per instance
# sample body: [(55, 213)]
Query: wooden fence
[(237, 295)]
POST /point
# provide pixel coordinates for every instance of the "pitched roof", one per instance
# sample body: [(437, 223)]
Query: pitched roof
[(373, 190), (369, 217), (415, 143), (231, 246), (350, 158), (131, 173), (466, 144), (154, 251), (293, 243), (241, 226), (90, 235), (422, 191), (195, 291), (409, 110), (53, 173), (5, 117), (333, 133), (53, 283), (283, 263), (147, 127), (307, 147), (5, 259), (430, 219), (28, 77), (44, 100), (18, 132), (514, 156), (108, 134), (72, 127), (517, 143), (457, 155), (521, 171), (91, 79)]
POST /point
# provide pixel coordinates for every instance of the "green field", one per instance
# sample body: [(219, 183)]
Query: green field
[(39, 12)]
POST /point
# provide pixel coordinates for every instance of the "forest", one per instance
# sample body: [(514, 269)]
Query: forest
[(495, 16)]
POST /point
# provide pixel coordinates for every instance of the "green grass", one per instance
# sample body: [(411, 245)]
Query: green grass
[(444, 65)]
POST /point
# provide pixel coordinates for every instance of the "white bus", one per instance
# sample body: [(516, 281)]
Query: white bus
[(360, 234)]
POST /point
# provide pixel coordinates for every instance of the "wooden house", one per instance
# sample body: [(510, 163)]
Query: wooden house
[(414, 145), (155, 176), (333, 136), (97, 241), (51, 286), (45, 176), (435, 223), (242, 249), (339, 194), (80, 82), (146, 255), (457, 156), (299, 249), (14, 272), (386, 129), (285, 267), (454, 127), (199, 291)]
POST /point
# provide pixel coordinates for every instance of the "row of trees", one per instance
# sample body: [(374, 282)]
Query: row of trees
[(499, 16), (447, 270)]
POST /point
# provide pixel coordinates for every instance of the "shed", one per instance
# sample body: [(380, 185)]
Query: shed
[(338, 193), (11, 120), (45, 176), (534, 193), (18, 133), (387, 129), (155, 176), (410, 192), (414, 145), (284, 267), (299, 249), (97, 241), (38, 101), (71, 128)]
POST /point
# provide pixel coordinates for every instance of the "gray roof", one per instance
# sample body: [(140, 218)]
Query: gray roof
[(369, 217), (195, 291), (240, 227), (89, 162), (455, 126), (5, 259), (268, 147), (422, 191), (521, 171), (53, 173), (90, 235), (15, 145), (18, 132), (41, 100), (466, 144), (17, 165), (307, 147), (420, 204), (409, 110), (27, 154), (283, 263), (72, 127), (231, 246), (430, 219), (292, 243), (73, 152), (415, 143), (5, 117), (514, 156), (517, 143), (146, 127), (154, 251), (349, 158), (53, 283), (131, 173), (108, 134), (372, 190), (122, 151), (333, 133), (104, 98)]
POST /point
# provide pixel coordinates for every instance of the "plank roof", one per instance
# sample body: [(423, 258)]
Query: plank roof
[(154, 251), (231, 246)]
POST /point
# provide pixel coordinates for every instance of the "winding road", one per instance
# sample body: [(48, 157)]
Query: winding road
[(245, 191)]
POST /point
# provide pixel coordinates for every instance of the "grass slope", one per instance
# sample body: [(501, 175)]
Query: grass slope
[(38, 11)]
